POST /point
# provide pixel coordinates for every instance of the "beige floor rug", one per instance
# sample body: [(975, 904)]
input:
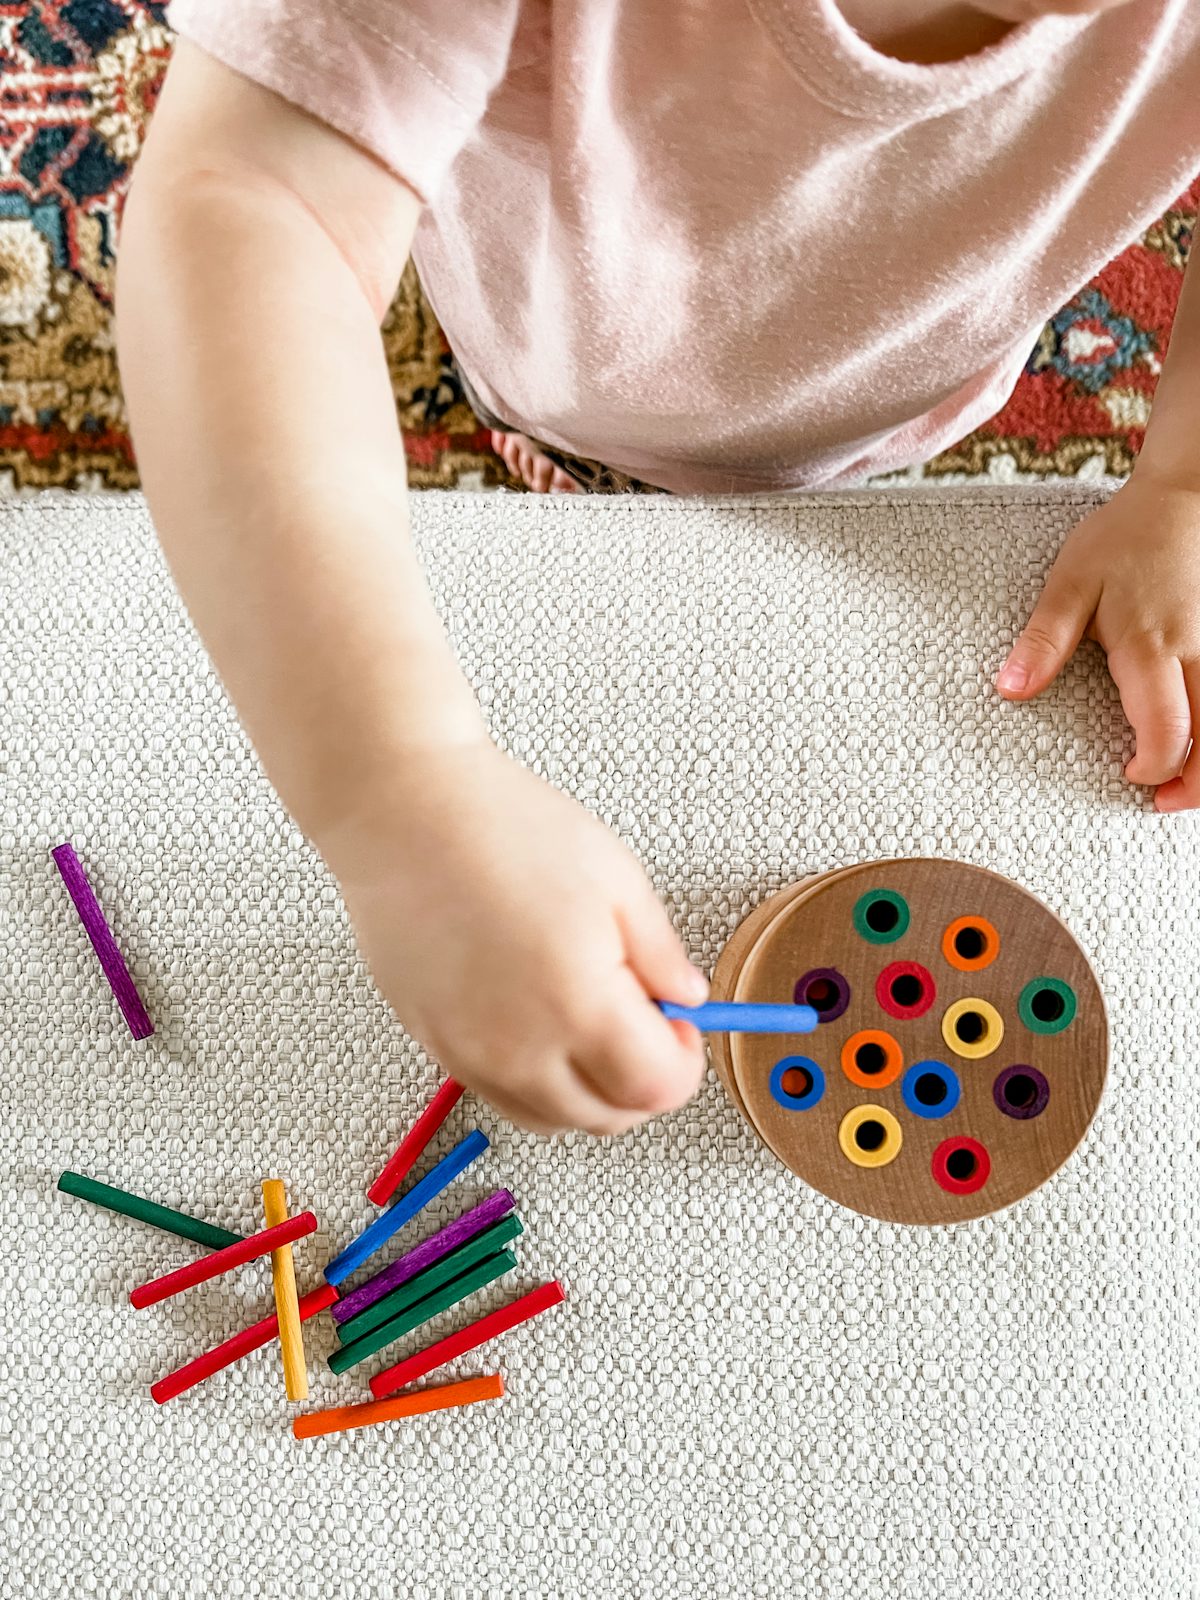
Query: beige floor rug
[(750, 1392)]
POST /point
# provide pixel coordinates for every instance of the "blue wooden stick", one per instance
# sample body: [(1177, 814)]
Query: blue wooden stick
[(737, 1016), (405, 1209)]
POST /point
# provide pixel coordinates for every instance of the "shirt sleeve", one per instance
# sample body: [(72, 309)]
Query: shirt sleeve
[(409, 80)]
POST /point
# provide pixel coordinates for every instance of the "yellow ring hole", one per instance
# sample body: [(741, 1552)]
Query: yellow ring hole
[(972, 1028), (881, 1136)]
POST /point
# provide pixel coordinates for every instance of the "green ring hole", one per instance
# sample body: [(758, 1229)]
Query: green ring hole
[(1047, 1005), (882, 916)]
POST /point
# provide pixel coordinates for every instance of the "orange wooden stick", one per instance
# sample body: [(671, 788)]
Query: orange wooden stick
[(442, 1398)]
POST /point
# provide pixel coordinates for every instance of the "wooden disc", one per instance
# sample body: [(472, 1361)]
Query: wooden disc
[(963, 1046), (729, 962)]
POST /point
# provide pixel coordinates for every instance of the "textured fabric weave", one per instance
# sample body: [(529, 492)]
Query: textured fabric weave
[(749, 1392)]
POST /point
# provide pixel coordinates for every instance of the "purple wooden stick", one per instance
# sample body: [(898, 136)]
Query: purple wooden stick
[(423, 1255), (103, 943)]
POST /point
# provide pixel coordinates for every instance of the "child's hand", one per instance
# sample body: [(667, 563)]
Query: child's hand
[(521, 943), (1129, 577)]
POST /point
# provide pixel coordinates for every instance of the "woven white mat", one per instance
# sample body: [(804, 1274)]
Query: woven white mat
[(750, 1392)]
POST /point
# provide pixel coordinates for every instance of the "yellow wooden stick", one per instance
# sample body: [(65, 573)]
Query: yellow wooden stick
[(287, 1306)]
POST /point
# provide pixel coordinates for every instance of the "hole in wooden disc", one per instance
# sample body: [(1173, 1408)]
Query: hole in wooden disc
[(882, 916), (960, 1165), (929, 1089), (870, 1058), (822, 994), (1020, 1091), (907, 990), (970, 943), (870, 1135), (796, 1082), (1047, 1005), (971, 1027)]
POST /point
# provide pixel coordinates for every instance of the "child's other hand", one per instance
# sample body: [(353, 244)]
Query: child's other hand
[(520, 941), (1129, 577)]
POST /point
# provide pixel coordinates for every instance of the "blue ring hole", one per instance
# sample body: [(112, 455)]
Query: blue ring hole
[(797, 1064), (920, 1086)]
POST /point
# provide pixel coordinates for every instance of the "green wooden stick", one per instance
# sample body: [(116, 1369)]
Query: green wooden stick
[(132, 1205), (486, 1272), (451, 1266)]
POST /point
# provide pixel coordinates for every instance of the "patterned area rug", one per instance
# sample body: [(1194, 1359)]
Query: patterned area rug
[(78, 81)]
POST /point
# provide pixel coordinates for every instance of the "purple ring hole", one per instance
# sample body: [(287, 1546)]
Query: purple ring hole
[(1021, 1092), (825, 990)]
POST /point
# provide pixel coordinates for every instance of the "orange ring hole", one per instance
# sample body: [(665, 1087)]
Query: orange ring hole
[(872, 1058), (970, 944)]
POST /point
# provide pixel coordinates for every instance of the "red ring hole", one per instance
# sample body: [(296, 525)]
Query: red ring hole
[(961, 1165), (905, 989)]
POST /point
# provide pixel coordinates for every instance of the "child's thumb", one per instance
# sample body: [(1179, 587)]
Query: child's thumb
[(1049, 639), (656, 954)]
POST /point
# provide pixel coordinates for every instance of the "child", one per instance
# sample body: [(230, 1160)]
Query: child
[(636, 222)]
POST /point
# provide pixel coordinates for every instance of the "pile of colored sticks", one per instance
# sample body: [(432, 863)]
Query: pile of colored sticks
[(459, 1260), (462, 1258)]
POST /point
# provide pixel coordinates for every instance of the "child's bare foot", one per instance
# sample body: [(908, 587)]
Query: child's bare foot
[(524, 460)]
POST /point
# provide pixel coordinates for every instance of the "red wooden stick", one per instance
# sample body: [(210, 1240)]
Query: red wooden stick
[(409, 1151), (233, 1349), (468, 1338), (219, 1261)]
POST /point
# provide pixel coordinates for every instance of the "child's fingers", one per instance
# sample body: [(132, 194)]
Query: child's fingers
[(653, 948), (637, 1060), (559, 1100), (608, 1120), (1183, 793), (1052, 634), (523, 1113), (1155, 697), (535, 1087)]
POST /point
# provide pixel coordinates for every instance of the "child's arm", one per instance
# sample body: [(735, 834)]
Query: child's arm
[(1129, 577), (513, 933)]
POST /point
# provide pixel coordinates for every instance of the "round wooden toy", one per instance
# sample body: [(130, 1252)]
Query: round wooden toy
[(962, 1048)]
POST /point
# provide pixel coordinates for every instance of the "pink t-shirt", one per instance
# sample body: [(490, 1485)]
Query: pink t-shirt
[(725, 245)]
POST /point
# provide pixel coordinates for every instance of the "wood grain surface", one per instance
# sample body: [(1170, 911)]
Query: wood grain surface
[(910, 1002)]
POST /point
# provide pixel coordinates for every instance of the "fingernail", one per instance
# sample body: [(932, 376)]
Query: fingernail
[(697, 987), (1013, 676), (1168, 802)]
